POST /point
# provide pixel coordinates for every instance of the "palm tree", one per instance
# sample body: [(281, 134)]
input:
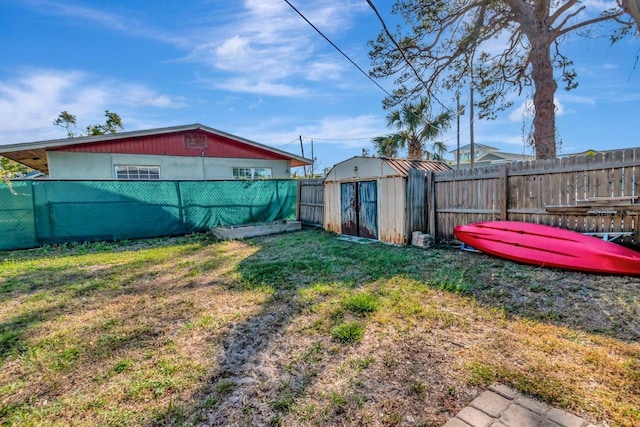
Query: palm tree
[(415, 129)]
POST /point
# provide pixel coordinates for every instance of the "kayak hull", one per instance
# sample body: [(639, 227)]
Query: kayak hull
[(547, 246)]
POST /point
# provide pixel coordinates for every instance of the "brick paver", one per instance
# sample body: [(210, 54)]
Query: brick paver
[(501, 406)]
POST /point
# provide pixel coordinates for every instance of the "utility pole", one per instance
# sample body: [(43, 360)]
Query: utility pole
[(313, 162), (302, 149), (472, 149), (458, 129)]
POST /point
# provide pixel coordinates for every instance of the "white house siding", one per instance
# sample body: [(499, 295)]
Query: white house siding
[(72, 165)]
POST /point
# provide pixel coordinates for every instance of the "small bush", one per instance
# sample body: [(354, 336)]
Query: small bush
[(362, 303), (348, 333)]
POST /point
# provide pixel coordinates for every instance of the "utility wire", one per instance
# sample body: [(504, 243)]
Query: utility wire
[(337, 139), (386, 30), (338, 49)]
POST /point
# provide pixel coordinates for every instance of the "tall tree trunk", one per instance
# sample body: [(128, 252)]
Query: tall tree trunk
[(415, 151), (544, 120)]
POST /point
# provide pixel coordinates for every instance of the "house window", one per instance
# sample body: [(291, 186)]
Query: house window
[(137, 172), (251, 173)]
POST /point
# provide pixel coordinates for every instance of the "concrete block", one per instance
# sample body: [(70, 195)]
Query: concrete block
[(564, 418), (474, 418), (518, 416), (491, 403), (456, 422), (533, 405), (420, 239), (504, 391)]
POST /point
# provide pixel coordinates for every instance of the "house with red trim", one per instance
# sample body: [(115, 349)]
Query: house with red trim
[(189, 152)]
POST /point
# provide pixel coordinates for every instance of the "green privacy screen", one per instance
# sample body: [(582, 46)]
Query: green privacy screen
[(39, 212)]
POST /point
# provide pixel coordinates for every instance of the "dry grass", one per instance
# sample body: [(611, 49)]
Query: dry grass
[(303, 329)]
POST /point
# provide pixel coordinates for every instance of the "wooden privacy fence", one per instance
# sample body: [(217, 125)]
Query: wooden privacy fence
[(311, 202), (590, 194)]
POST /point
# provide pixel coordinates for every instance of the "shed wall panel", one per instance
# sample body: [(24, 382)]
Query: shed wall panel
[(332, 221), (392, 210)]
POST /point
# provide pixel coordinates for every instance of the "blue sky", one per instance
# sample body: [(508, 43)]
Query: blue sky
[(254, 68)]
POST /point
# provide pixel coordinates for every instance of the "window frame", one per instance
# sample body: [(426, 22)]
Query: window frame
[(128, 169), (252, 169)]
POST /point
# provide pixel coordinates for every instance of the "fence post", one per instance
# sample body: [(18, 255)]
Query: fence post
[(180, 206), (431, 197), (503, 192)]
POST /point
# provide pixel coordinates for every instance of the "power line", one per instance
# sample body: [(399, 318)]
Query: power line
[(386, 30), (338, 49), (283, 146), (337, 139)]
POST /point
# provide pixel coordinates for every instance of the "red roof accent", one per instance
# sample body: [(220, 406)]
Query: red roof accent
[(185, 143)]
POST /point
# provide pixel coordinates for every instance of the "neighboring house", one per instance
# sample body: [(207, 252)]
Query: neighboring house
[(485, 155), (189, 152)]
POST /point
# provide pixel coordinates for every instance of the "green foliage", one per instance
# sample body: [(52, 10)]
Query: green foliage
[(348, 333), (225, 387), (447, 46), (10, 169), (361, 303), (67, 120), (111, 125), (415, 128)]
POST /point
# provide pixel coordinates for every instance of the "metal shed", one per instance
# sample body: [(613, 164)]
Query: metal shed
[(371, 197)]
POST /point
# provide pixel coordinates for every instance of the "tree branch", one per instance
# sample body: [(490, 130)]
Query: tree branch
[(589, 22)]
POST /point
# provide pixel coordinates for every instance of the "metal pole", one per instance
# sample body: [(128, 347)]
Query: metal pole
[(458, 136), (472, 150), (302, 149), (313, 162)]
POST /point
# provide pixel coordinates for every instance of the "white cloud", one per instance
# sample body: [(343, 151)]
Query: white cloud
[(348, 131), (266, 42), (30, 103), (333, 131), (324, 70), (141, 96), (261, 87), (270, 44), (106, 19)]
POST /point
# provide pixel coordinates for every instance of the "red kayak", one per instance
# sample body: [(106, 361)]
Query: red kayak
[(547, 246)]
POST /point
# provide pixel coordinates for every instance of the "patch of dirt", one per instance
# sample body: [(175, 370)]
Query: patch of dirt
[(284, 373)]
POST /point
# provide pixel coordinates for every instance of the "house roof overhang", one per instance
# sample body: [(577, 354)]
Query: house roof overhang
[(34, 154)]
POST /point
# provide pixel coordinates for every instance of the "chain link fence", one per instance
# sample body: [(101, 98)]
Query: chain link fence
[(33, 213)]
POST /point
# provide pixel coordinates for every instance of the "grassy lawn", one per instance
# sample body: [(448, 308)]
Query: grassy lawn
[(303, 329)]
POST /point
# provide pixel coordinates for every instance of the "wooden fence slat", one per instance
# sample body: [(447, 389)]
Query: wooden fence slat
[(583, 193), (524, 190), (311, 202)]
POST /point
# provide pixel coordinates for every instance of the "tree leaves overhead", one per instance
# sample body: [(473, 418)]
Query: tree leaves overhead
[(497, 47)]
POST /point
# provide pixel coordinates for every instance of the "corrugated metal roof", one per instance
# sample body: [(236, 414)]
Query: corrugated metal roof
[(402, 166)]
